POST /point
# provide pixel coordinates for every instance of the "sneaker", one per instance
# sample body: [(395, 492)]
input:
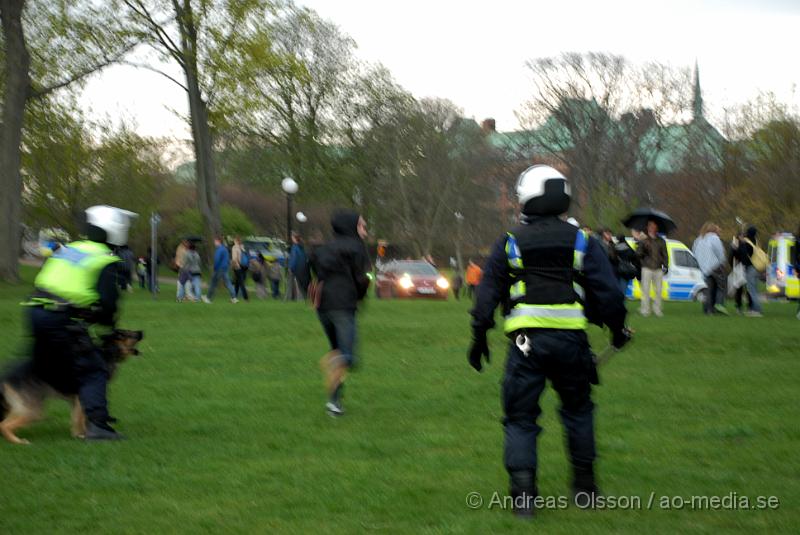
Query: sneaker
[(234, 300), (753, 314), (334, 409), (206, 300), (95, 432), (720, 309)]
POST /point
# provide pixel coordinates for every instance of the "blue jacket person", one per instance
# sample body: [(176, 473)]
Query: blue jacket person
[(552, 279)]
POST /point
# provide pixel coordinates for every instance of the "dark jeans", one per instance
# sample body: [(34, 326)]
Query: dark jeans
[(67, 359), (275, 285), (741, 292), (302, 285), (215, 278), (471, 290), (340, 328), (716, 283), (563, 357), (240, 283)]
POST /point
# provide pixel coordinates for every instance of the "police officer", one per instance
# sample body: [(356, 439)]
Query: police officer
[(553, 279), (77, 286)]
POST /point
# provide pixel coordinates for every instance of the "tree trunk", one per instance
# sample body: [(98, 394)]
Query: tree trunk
[(15, 95), (207, 195)]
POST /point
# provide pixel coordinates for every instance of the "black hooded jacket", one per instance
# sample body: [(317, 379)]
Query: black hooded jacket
[(342, 264), (745, 250)]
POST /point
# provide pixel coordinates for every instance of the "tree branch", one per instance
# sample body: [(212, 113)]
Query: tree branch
[(157, 71), (83, 73)]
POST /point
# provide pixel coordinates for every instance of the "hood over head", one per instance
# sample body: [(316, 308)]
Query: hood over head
[(345, 223)]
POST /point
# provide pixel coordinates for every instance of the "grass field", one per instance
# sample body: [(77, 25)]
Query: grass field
[(227, 433)]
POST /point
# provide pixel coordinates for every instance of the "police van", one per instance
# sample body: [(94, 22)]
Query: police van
[(683, 282), (782, 278)]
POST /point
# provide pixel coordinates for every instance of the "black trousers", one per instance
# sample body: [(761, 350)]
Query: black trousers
[(240, 282), (716, 284), (563, 357), (65, 357)]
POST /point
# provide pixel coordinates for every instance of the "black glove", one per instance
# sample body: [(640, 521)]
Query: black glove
[(620, 338), (479, 347)]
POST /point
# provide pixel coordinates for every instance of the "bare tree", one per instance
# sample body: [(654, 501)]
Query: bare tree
[(599, 118)]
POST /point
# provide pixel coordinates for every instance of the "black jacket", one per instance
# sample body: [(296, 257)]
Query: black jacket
[(745, 250), (342, 265), (604, 303)]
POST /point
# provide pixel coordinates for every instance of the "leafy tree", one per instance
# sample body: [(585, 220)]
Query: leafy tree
[(47, 45), (66, 169), (199, 35), (234, 222), (281, 96)]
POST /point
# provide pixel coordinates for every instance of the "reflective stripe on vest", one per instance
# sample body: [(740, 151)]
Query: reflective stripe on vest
[(524, 316), (512, 252), (72, 272), (530, 316)]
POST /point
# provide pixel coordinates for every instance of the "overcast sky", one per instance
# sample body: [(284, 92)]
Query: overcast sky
[(473, 52)]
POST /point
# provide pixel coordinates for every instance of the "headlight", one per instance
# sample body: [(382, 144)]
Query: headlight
[(442, 283), (405, 283)]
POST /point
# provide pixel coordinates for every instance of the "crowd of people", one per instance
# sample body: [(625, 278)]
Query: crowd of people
[(232, 267), (551, 278), (731, 270)]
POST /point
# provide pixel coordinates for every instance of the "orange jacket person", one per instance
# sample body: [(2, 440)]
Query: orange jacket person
[(473, 276)]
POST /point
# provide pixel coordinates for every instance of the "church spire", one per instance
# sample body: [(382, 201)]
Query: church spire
[(697, 107)]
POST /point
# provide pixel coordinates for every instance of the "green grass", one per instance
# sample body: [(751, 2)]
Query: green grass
[(224, 413)]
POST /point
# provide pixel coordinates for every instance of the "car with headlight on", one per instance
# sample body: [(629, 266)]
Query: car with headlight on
[(410, 278)]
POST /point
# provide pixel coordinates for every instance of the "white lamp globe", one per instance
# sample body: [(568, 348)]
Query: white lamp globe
[(289, 186)]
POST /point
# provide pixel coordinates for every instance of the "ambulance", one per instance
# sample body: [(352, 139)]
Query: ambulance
[(782, 278), (683, 282)]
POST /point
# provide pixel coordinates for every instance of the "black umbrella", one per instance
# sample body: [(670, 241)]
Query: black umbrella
[(638, 220), (193, 238)]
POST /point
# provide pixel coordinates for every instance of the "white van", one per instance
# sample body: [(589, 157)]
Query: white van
[(684, 280)]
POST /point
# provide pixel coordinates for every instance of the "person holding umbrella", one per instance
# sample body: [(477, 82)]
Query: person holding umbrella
[(652, 252)]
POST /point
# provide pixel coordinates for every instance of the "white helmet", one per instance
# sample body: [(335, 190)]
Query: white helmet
[(115, 221), (542, 190)]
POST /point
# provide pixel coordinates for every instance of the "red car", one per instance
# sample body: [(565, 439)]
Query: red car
[(410, 278)]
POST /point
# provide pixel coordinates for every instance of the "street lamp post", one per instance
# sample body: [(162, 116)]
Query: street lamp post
[(155, 219), (289, 187), (459, 222)]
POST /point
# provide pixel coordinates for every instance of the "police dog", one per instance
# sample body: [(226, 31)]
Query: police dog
[(23, 391)]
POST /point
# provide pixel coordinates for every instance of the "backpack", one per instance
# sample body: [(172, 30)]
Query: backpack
[(244, 260), (759, 258)]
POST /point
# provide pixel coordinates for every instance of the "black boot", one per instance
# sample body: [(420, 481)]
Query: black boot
[(95, 431), (523, 492), (584, 487)]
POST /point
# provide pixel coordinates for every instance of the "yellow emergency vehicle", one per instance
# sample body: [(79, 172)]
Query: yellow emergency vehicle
[(782, 278)]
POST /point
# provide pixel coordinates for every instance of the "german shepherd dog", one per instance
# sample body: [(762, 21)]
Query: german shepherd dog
[(23, 391)]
